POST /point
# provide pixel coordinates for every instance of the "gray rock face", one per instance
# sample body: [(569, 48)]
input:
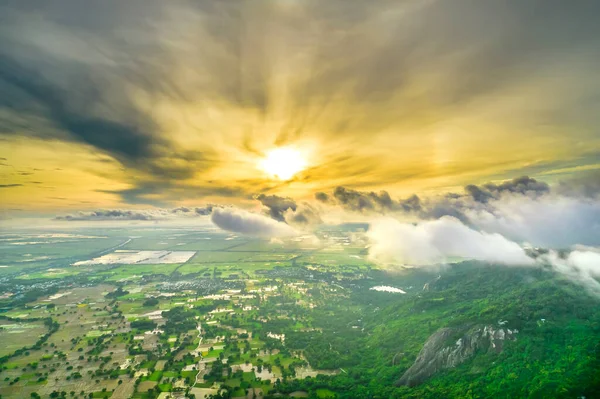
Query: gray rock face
[(438, 353)]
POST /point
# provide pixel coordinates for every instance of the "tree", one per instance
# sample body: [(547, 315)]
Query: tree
[(151, 302)]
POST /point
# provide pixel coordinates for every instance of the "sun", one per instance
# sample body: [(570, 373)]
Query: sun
[(283, 163)]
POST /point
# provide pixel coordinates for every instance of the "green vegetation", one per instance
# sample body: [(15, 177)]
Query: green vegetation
[(244, 317), (151, 302)]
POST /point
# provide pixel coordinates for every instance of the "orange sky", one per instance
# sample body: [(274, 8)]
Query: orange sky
[(181, 104)]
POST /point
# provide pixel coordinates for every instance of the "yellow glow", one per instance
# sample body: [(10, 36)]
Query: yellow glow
[(283, 163)]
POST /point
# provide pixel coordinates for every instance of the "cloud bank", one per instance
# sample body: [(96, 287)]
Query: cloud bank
[(551, 221), (524, 209), (496, 223), (431, 243), (580, 266), (143, 214)]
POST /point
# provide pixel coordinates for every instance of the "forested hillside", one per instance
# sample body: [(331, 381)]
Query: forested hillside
[(555, 353)]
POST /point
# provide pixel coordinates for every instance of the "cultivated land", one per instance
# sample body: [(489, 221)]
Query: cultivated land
[(176, 312)]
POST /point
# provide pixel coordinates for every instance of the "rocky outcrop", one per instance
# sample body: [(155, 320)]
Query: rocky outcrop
[(442, 351)]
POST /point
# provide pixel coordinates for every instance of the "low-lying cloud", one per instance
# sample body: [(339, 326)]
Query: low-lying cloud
[(439, 241), (140, 214), (524, 209), (581, 266), (244, 222), (446, 240), (551, 221)]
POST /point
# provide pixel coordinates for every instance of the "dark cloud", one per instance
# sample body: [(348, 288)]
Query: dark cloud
[(445, 205), (478, 198), (362, 201), (127, 135), (114, 214), (523, 185), (240, 221), (478, 194), (276, 206), (410, 204), (587, 185), (10, 185), (304, 216), (369, 201), (522, 209), (105, 75), (456, 205), (321, 196), (285, 209), (145, 214), (198, 211), (497, 44), (143, 192), (204, 211)]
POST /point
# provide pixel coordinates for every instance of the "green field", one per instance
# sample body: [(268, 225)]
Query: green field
[(285, 318)]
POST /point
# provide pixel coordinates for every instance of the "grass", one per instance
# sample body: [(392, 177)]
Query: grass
[(148, 364), (165, 387), (207, 245), (333, 259), (233, 382), (18, 335), (96, 333), (56, 250), (127, 271), (213, 353), (191, 374), (100, 394), (56, 273), (323, 393), (155, 376), (219, 257)]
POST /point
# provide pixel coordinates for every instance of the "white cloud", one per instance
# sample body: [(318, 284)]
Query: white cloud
[(581, 266), (586, 262), (551, 221), (434, 242)]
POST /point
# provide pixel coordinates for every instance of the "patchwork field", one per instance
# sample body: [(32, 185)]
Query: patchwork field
[(110, 303), (131, 257), (18, 334), (250, 318)]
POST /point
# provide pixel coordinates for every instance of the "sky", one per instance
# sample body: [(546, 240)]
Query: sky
[(154, 105)]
